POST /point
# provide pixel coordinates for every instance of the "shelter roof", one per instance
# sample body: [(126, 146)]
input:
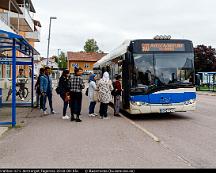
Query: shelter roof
[(22, 45)]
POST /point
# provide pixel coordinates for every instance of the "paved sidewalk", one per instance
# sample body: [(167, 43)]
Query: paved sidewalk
[(50, 142), (3, 130), (206, 93)]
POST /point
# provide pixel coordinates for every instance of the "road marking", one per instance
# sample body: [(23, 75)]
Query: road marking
[(151, 135), (182, 158), (156, 139)]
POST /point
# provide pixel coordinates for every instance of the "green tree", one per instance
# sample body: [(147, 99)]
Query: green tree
[(91, 46), (62, 60), (56, 58), (205, 58)]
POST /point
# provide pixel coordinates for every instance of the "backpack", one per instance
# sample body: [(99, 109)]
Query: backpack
[(86, 92)]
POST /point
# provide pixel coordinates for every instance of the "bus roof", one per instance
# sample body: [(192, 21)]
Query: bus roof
[(120, 50), (123, 48)]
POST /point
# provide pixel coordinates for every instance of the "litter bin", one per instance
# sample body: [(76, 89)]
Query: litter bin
[(0, 97)]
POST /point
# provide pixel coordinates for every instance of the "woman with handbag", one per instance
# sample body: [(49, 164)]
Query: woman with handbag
[(64, 88), (92, 92)]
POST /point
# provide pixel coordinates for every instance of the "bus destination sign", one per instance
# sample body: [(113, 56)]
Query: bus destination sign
[(167, 47)]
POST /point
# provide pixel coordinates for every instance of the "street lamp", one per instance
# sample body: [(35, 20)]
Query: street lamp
[(59, 62), (49, 38), (58, 52)]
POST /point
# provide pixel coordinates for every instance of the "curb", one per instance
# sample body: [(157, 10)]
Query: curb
[(209, 94), (3, 130)]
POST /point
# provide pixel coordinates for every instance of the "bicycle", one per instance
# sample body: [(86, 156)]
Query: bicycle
[(18, 93)]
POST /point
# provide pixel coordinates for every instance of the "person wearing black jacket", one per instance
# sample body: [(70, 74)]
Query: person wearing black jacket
[(39, 97), (64, 86)]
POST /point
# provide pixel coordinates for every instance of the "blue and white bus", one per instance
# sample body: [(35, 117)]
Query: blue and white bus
[(157, 75)]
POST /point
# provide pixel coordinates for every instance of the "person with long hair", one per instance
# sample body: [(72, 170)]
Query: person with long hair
[(64, 86)]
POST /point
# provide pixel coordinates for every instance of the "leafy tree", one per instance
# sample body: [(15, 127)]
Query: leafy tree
[(205, 58), (91, 46), (62, 60), (56, 58)]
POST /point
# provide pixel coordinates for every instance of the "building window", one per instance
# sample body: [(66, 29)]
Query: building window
[(86, 65), (75, 65)]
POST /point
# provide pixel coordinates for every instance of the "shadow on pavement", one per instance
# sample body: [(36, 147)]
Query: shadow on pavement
[(156, 117)]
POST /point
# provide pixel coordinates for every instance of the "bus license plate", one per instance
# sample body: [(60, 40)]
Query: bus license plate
[(167, 110)]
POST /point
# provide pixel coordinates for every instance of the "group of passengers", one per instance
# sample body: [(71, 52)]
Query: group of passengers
[(70, 89)]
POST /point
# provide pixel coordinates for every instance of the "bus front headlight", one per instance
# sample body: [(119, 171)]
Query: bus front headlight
[(139, 103), (190, 102)]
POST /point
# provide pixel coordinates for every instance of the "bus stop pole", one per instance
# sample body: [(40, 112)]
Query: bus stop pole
[(14, 84)]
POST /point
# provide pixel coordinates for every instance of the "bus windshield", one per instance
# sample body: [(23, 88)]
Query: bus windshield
[(163, 71)]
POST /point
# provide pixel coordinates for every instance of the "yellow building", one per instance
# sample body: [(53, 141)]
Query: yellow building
[(83, 60), (16, 16)]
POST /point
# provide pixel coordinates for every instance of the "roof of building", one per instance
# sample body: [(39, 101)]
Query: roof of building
[(84, 56)]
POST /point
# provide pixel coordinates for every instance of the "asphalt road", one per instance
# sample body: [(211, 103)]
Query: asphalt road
[(190, 135), (187, 140)]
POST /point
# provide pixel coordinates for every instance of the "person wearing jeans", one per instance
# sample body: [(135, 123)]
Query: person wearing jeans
[(64, 86), (117, 95), (46, 90), (91, 92), (39, 98)]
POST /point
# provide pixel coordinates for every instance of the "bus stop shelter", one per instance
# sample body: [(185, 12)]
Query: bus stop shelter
[(208, 79), (11, 44)]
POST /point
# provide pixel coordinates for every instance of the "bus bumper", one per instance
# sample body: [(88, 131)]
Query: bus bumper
[(145, 109)]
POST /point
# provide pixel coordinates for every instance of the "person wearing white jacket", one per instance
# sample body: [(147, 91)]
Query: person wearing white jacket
[(91, 92)]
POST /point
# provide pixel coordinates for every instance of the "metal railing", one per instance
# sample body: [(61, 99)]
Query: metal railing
[(4, 17), (26, 8)]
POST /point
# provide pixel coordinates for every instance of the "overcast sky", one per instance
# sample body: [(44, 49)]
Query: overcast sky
[(110, 22)]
